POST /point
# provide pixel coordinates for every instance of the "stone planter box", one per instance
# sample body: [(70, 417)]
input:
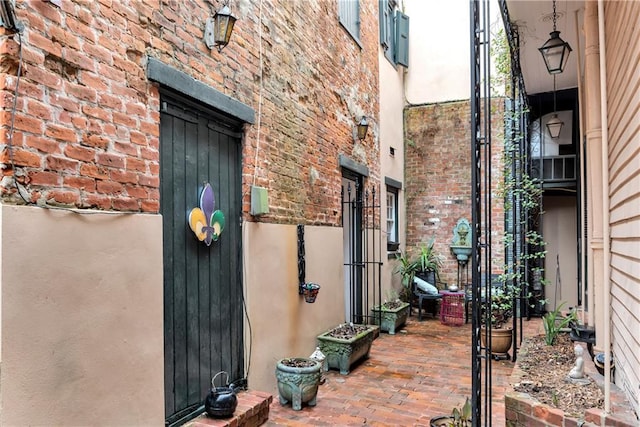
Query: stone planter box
[(391, 319), (342, 353)]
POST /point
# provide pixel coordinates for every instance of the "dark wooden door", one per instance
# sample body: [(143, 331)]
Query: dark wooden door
[(202, 284)]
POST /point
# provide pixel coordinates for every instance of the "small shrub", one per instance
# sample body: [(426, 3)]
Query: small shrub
[(554, 323), (461, 417)]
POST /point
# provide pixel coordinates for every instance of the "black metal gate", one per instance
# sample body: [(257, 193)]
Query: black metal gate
[(516, 217), (203, 315), (363, 249)]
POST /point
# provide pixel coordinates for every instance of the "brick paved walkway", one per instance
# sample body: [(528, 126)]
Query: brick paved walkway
[(421, 372)]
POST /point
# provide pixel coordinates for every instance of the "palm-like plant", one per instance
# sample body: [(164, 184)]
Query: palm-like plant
[(406, 269), (429, 259)]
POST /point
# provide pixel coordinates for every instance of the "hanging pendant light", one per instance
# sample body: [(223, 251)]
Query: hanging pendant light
[(554, 125), (555, 51)]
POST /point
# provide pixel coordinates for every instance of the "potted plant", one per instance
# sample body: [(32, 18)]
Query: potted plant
[(406, 268), (310, 291), (428, 263), (460, 417), (298, 380), (496, 313), (391, 314), (346, 344)]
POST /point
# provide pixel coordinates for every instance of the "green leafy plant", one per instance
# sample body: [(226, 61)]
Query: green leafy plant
[(461, 417), (429, 259), (405, 268), (554, 323), (500, 309)]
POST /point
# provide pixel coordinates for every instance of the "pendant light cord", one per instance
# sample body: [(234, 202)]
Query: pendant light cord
[(554, 15), (554, 93)]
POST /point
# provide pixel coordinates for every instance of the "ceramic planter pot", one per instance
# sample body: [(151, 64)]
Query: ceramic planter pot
[(342, 353), (298, 384), (500, 341), (441, 421), (391, 319)]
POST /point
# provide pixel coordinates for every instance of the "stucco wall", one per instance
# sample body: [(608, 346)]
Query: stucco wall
[(391, 165), (82, 336), (559, 230), (282, 323)]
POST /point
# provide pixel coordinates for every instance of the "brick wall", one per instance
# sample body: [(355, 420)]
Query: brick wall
[(87, 120), (438, 178)]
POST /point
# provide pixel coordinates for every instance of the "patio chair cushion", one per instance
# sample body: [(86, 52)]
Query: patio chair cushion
[(425, 286)]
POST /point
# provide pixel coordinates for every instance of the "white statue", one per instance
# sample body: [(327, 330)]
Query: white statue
[(577, 371)]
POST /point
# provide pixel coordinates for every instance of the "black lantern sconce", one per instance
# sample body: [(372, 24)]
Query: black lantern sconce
[(363, 127), (555, 51), (218, 29), (554, 126)]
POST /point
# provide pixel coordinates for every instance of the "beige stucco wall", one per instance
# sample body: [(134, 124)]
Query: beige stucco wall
[(392, 166), (82, 335), (438, 51), (559, 230), (282, 323)]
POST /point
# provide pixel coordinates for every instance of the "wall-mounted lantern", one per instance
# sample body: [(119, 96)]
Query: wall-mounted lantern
[(555, 51), (362, 128), (217, 31)]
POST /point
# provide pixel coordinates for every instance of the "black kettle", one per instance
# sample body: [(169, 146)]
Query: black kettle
[(221, 402)]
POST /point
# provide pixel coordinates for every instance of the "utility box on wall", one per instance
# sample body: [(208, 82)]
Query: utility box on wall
[(259, 201)]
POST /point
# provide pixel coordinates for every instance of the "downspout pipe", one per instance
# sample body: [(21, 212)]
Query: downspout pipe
[(606, 211), (583, 254)]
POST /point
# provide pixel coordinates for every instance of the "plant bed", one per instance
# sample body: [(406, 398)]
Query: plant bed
[(298, 380), (542, 393), (346, 344), (391, 315)]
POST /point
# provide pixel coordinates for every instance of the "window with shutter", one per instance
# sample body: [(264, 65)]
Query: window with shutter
[(387, 28), (402, 39), (394, 33), (349, 16)]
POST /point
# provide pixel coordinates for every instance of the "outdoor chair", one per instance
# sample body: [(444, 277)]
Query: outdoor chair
[(495, 283), (422, 297)]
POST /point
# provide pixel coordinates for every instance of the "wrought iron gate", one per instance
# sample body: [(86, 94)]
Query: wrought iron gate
[(363, 250), (515, 216)]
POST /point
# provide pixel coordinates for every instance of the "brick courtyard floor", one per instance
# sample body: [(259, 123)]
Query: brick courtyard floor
[(421, 372)]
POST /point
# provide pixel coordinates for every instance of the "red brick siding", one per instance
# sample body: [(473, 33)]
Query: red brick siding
[(438, 178), (87, 122)]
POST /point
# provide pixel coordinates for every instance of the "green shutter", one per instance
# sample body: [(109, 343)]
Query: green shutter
[(402, 39), (384, 11)]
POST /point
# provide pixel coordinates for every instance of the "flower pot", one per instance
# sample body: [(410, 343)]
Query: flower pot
[(500, 341), (298, 384), (310, 292), (342, 352), (441, 421), (390, 319)]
